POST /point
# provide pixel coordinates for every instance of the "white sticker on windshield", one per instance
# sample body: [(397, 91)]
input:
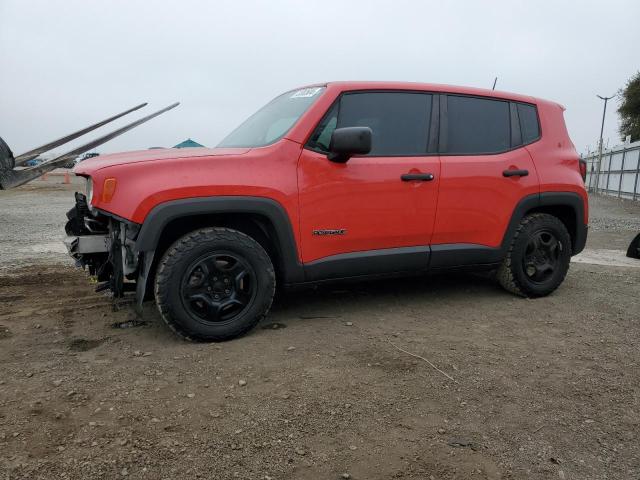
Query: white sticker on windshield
[(306, 92)]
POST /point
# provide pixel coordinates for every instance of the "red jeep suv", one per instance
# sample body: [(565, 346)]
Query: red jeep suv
[(334, 181)]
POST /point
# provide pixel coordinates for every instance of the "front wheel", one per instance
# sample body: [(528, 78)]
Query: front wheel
[(538, 258), (214, 284)]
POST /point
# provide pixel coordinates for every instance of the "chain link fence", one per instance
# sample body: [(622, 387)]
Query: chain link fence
[(617, 173)]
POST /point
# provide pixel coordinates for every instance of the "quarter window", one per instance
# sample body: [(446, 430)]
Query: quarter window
[(477, 125), (528, 122)]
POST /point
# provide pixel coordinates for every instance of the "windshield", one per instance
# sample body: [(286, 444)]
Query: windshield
[(272, 121)]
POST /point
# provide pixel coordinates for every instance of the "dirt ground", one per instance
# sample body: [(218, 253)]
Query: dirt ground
[(546, 388)]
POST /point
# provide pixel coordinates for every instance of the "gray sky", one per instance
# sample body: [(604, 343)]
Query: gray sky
[(65, 64)]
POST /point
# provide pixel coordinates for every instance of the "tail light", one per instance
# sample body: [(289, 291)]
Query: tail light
[(583, 169)]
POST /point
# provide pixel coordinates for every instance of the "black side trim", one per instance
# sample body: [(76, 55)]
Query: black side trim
[(372, 262), (164, 213), (463, 254)]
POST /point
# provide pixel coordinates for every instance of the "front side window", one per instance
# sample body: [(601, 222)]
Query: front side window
[(477, 125), (321, 137), (399, 121), (274, 120)]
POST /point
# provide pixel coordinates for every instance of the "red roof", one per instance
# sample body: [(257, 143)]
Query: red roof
[(431, 87)]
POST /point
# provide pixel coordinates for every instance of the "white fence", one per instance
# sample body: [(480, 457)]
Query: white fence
[(619, 173)]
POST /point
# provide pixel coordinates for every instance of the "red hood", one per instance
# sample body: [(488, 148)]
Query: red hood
[(87, 167)]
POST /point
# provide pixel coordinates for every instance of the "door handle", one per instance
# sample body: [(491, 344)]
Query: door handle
[(515, 173), (423, 177)]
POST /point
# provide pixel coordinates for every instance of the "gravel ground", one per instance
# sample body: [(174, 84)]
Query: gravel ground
[(329, 386), (613, 214), (613, 222), (33, 218)]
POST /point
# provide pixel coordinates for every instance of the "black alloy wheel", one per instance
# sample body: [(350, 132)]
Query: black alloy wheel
[(538, 256), (214, 284), (218, 287), (542, 256)]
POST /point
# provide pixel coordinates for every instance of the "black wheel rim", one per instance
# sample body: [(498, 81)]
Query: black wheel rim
[(218, 287), (542, 256)]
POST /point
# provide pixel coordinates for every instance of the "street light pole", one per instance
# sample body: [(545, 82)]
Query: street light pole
[(604, 113)]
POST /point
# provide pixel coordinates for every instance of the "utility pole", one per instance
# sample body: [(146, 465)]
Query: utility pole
[(604, 113)]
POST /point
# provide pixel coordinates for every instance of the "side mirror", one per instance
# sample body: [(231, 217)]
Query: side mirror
[(349, 141)]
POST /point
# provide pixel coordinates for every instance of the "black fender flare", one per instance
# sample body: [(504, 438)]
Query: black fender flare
[(549, 199), (161, 215)]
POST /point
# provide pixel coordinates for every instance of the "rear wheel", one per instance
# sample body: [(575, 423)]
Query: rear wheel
[(214, 284), (538, 257)]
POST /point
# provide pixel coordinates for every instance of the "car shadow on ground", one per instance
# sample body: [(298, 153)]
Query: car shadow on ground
[(345, 300), (407, 290)]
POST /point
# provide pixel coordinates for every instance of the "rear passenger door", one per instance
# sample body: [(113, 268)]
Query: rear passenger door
[(366, 215), (485, 172)]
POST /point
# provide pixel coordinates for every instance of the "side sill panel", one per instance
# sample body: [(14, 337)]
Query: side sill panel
[(374, 262), (463, 254)]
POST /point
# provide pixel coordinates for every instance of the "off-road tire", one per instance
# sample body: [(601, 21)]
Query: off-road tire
[(512, 275), (176, 261)]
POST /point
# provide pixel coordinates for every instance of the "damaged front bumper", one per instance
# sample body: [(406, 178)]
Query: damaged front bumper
[(86, 244), (105, 246)]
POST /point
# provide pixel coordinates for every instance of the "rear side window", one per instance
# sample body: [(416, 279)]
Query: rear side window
[(528, 122), (477, 125), (399, 120)]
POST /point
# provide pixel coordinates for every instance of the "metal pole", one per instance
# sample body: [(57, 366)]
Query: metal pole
[(624, 153), (604, 113), (606, 185), (635, 184)]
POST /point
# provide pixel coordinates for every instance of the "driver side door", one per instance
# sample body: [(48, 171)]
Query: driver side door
[(371, 214)]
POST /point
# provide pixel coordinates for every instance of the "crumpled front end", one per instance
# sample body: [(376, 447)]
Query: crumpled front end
[(105, 246)]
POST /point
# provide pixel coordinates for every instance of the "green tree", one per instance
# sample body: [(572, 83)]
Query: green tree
[(629, 109)]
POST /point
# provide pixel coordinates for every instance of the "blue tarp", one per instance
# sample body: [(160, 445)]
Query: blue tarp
[(188, 143)]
